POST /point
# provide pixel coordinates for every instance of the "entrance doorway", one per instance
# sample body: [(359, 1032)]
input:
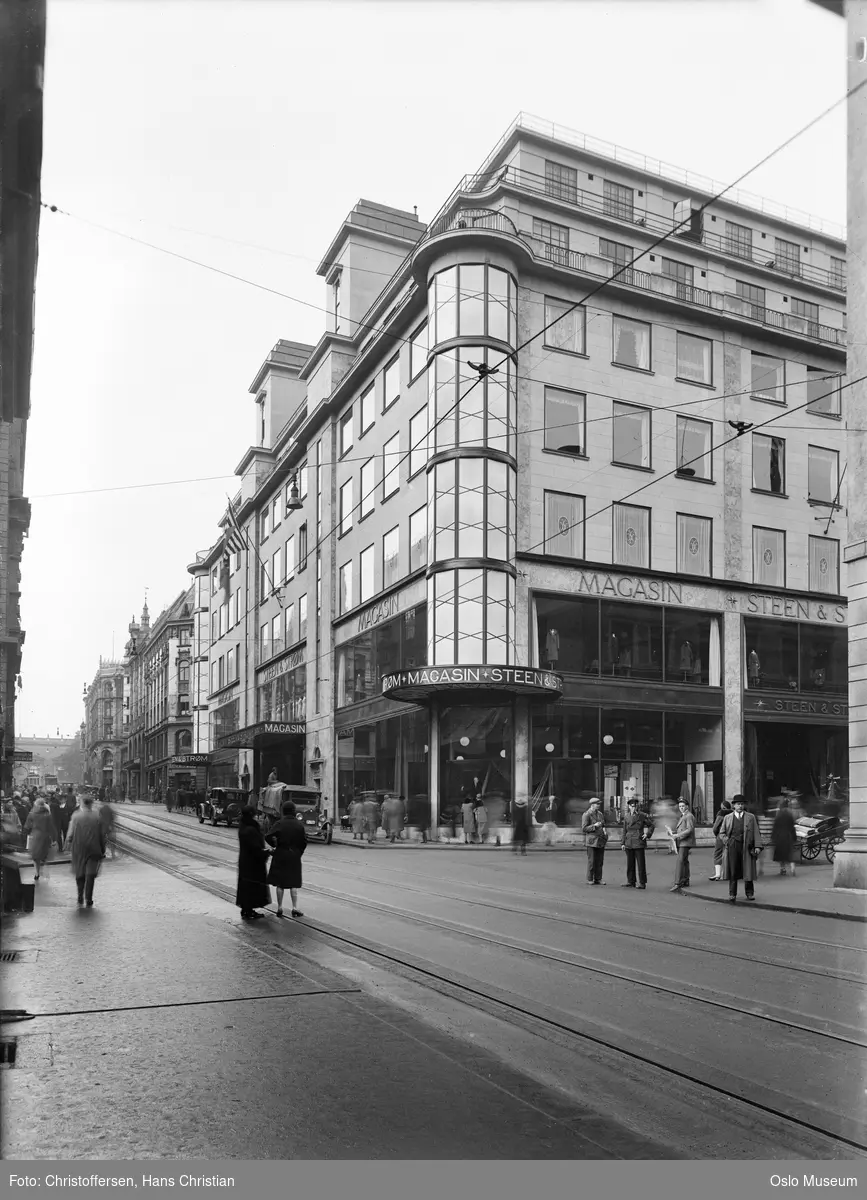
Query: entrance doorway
[(785, 757)]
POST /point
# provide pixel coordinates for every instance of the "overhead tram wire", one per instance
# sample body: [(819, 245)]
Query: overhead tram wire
[(749, 427)]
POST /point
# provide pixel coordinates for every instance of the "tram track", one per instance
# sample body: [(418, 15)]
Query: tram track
[(571, 921), (491, 1000)]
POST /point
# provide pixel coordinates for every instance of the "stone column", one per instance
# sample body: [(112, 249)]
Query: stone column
[(521, 736), (733, 701), (850, 864), (433, 761)]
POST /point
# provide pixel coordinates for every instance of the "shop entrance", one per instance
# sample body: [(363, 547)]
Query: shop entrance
[(283, 754), (476, 760), (809, 760)]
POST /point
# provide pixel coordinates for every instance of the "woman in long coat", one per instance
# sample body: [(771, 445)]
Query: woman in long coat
[(253, 891), (740, 833), (393, 817), (289, 840), (784, 837), (719, 845), (356, 813), (39, 828), (86, 843)]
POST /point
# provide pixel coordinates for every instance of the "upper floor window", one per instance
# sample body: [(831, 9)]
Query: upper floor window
[(631, 343), (418, 351), (391, 557), (391, 384), (472, 300), (838, 272), (345, 587), (619, 253), (694, 547), (564, 525), (418, 441), (289, 557), (367, 408), (695, 447), (346, 433), (565, 326), (787, 256), (823, 474), (565, 421), (739, 240), (266, 522), (302, 617), (631, 435), (768, 377), (617, 200), (276, 513), (302, 547), (769, 556), (823, 392), (418, 539), (561, 182), (346, 507), (391, 466), (682, 272), (631, 535), (335, 293), (824, 565), (367, 489), (555, 237), (366, 587), (769, 464), (808, 312), (755, 297), (694, 358)]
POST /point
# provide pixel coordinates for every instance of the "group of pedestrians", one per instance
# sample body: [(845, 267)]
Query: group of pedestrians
[(284, 843), (366, 817)]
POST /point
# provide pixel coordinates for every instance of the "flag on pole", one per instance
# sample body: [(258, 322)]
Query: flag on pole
[(235, 538)]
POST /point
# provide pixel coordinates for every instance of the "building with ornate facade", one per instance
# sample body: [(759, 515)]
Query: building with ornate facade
[(530, 520), (158, 755), (106, 720)]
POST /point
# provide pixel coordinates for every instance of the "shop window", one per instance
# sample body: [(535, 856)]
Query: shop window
[(692, 753), (694, 358), (565, 421), (631, 535), (632, 756), (475, 760), (823, 475), (823, 392), (693, 652), (363, 661), (694, 544), (568, 634), (564, 525), (631, 343), (694, 448), (771, 654), (632, 641), (769, 464), (768, 378), (631, 446), (824, 659), (769, 556), (565, 326), (824, 565), (566, 770)]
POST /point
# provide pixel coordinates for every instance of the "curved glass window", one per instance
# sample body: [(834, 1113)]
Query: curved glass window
[(471, 510), (473, 617), (473, 300), (465, 410)]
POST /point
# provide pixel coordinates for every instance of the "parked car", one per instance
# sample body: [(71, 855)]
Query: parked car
[(309, 808), (222, 804)]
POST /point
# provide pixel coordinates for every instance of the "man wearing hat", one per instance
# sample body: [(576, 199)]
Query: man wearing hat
[(595, 837), (684, 838), (637, 828), (743, 845)]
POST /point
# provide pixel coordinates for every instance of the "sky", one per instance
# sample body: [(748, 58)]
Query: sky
[(196, 125)]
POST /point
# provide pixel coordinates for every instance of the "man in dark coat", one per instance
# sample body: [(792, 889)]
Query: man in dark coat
[(784, 838), (595, 837), (637, 828), (520, 824), (743, 843), (289, 840), (56, 822), (253, 891)]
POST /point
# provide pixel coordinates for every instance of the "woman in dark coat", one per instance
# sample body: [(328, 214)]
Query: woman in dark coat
[(719, 848), (253, 891), (40, 830), (289, 841), (784, 837), (520, 824)]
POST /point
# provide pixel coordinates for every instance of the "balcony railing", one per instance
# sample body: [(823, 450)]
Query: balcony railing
[(605, 268)]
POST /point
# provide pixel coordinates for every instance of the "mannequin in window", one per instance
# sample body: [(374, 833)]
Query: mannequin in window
[(625, 661), (687, 660), (613, 651), (754, 669), (552, 648)]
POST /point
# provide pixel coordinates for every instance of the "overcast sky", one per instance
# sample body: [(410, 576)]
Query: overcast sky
[(197, 125)]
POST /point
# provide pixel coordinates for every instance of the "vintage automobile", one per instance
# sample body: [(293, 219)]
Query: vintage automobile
[(222, 804), (815, 832), (309, 808)]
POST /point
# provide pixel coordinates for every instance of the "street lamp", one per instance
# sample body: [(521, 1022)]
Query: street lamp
[(293, 500)]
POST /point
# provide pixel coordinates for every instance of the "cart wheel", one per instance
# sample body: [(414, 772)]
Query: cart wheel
[(831, 851), (810, 850)]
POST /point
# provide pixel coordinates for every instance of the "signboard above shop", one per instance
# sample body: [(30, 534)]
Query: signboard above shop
[(189, 760), (253, 734), (20, 755), (813, 709), (426, 683)]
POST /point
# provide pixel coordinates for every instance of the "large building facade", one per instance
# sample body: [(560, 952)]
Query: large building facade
[(106, 721), (528, 521)]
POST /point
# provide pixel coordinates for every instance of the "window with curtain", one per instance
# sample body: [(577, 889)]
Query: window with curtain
[(631, 535), (345, 587), (567, 326), (824, 565), (694, 544), (769, 556), (768, 378), (565, 421), (631, 435), (769, 464), (823, 474), (289, 624), (564, 525), (365, 575), (391, 557), (823, 392), (631, 343), (694, 358), (695, 447)]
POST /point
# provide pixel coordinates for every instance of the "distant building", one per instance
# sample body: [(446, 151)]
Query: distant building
[(105, 719), (59, 758)]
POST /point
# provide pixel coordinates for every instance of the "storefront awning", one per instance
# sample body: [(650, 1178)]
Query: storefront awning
[(423, 684), (261, 734)]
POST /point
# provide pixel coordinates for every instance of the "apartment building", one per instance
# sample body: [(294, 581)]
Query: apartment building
[(529, 520), (106, 721)]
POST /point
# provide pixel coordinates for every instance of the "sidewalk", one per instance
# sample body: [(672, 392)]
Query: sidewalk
[(811, 891), (165, 1028)]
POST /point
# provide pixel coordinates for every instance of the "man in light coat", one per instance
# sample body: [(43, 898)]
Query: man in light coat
[(743, 844), (595, 837), (86, 843), (684, 838), (637, 828)]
